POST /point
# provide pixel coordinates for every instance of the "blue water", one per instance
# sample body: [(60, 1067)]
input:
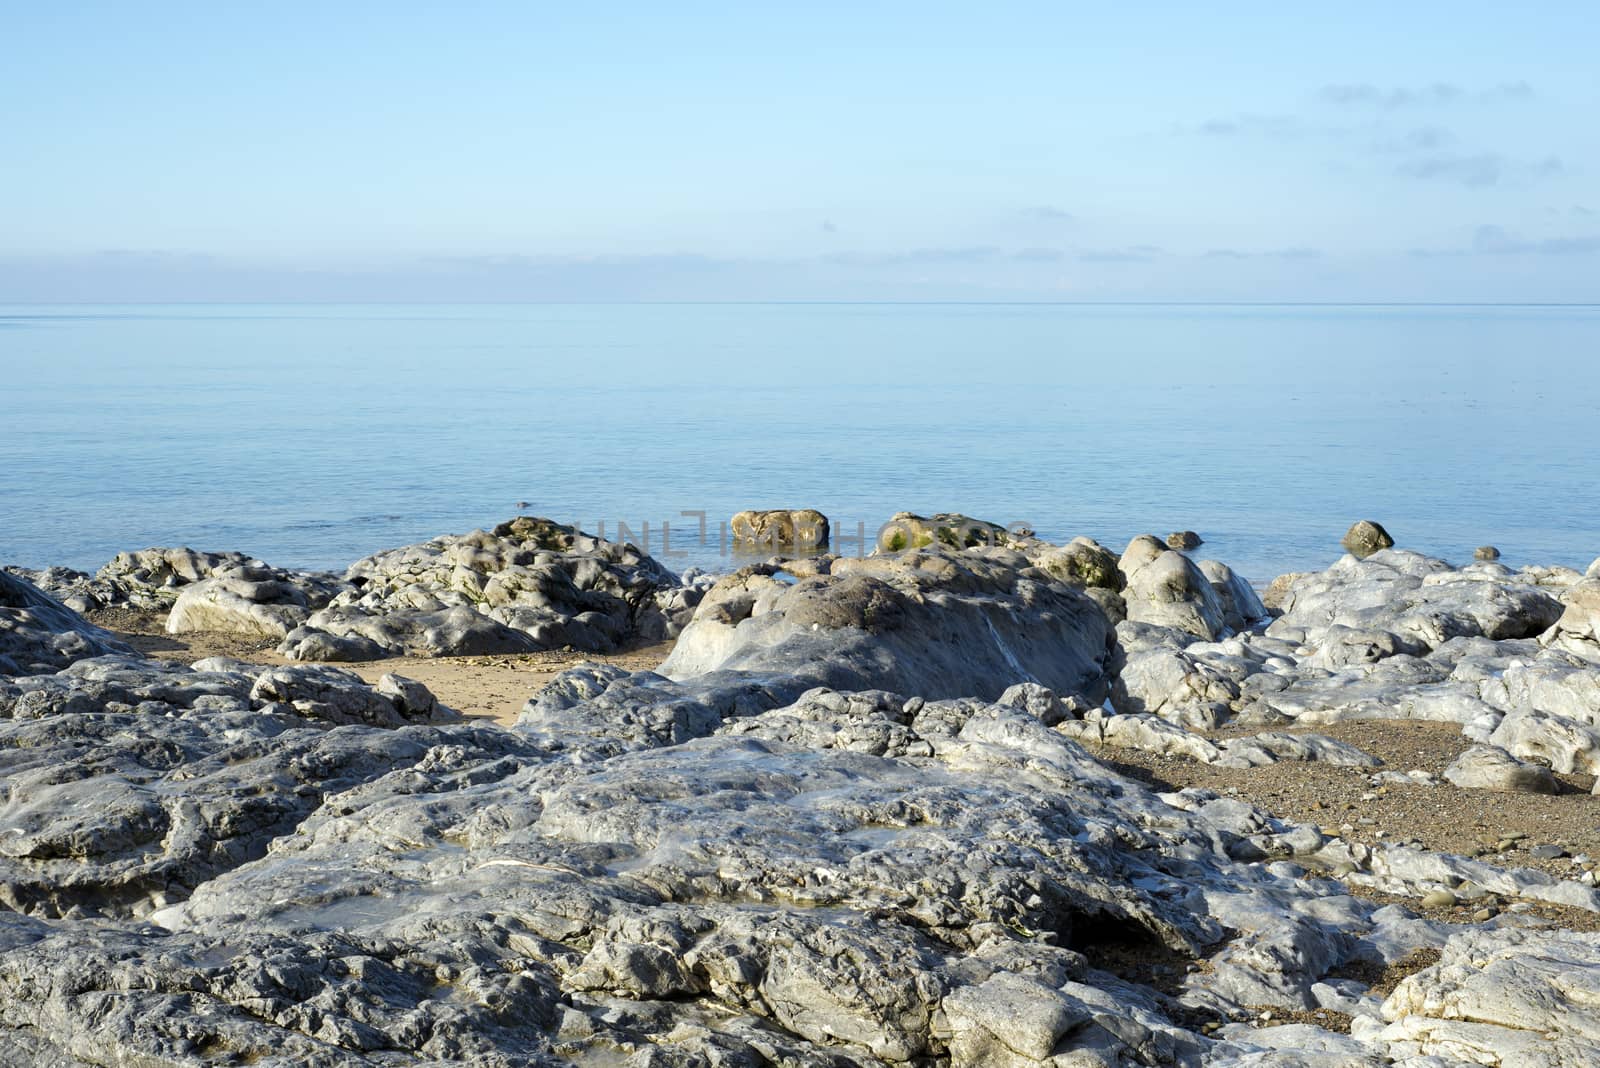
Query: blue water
[(313, 435)]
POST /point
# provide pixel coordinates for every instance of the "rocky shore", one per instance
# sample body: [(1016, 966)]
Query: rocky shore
[(971, 799)]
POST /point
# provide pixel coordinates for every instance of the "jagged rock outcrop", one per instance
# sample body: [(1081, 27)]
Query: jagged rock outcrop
[(251, 599), (128, 783), (39, 634), (529, 584)]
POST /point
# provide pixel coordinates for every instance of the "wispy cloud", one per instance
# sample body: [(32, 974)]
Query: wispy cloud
[(1478, 170), (1496, 241), (964, 254), (1271, 127), (1294, 252), (1048, 213), (1130, 254), (828, 227), (1395, 98)]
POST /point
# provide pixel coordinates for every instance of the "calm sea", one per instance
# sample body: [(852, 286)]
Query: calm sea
[(312, 435)]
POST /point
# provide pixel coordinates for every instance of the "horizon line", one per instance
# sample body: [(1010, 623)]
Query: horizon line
[(856, 303)]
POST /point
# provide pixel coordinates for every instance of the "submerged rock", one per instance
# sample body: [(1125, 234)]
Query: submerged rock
[(1184, 539), (775, 529), (1365, 538)]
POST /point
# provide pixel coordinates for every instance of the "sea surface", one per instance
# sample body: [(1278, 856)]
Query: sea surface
[(312, 435)]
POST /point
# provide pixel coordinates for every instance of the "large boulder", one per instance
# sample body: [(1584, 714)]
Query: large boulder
[(778, 529), (938, 622), (38, 634), (529, 584), (251, 599), (1419, 599), (1165, 588)]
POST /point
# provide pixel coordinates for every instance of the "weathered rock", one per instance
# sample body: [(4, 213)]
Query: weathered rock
[(38, 634), (130, 782), (1577, 629), (1416, 598), (776, 529), (1184, 539), (1082, 562), (1241, 607), (250, 599), (1502, 997), (1278, 590), (1486, 552), (530, 584), (1365, 538), (1488, 767), (1167, 589), (939, 623), (949, 529)]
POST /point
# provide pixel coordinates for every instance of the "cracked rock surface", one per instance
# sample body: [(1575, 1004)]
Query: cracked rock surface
[(849, 822)]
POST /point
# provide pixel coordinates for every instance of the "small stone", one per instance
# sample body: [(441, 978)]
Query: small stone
[(1184, 539), (1547, 851), (1438, 899), (1486, 552), (1484, 915)]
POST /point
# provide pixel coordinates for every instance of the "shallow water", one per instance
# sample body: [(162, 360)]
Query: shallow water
[(313, 435)]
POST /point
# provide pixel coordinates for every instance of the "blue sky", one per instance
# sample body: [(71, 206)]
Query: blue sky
[(887, 151)]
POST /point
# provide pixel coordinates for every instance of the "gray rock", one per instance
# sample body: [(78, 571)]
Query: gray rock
[(1504, 996), (1486, 552), (1416, 598), (1365, 538), (39, 634), (1184, 539), (530, 584), (1488, 767), (1167, 589), (250, 599), (937, 622)]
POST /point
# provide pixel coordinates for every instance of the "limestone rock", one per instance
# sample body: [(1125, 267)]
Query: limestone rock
[(38, 634), (250, 599), (1082, 562), (529, 584), (1167, 589), (937, 622), (1506, 997), (1488, 767)]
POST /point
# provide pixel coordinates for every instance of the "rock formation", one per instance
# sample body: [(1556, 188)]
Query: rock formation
[(849, 822)]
